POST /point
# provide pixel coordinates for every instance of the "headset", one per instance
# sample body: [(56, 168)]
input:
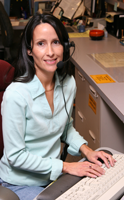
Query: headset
[(67, 46)]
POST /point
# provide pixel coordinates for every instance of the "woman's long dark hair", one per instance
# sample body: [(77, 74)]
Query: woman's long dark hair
[(24, 64)]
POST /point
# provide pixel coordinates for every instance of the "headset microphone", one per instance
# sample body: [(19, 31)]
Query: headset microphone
[(60, 64)]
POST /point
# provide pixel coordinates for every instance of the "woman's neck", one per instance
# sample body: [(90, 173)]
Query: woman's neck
[(47, 80)]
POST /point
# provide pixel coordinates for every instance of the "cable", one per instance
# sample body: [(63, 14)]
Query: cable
[(64, 152)]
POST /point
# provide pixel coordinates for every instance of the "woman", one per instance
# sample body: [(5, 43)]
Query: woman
[(36, 113)]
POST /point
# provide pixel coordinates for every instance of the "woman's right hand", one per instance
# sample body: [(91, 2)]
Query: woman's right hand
[(83, 169)]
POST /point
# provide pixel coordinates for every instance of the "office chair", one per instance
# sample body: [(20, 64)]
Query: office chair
[(6, 76), (9, 40)]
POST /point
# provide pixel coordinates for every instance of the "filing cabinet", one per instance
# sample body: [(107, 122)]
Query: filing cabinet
[(94, 119), (87, 111)]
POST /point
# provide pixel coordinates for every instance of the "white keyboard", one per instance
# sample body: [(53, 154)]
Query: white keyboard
[(106, 187)]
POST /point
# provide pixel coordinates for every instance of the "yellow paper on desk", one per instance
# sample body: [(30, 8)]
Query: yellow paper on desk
[(102, 78), (78, 35)]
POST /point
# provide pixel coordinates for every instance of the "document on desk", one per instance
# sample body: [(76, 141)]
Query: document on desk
[(79, 35), (69, 7), (15, 23), (24, 20), (102, 78), (113, 63), (110, 60)]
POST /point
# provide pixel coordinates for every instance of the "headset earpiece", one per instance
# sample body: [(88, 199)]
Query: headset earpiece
[(67, 45)]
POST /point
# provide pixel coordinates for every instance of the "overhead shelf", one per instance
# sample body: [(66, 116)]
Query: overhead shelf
[(112, 2)]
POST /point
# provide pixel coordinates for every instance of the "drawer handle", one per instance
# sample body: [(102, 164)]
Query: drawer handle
[(92, 135), (93, 91), (81, 76), (81, 116)]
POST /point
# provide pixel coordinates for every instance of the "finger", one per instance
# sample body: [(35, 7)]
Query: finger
[(91, 175), (105, 158), (96, 173), (108, 160), (111, 160), (96, 170), (97, 162)]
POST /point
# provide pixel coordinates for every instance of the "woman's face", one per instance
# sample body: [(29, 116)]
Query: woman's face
[(47, 50)]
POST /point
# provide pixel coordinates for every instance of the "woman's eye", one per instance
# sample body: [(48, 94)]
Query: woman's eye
[(56, 42), (40, 43)]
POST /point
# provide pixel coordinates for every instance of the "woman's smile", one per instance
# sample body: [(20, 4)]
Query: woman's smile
[(51, 62), (47, 50)]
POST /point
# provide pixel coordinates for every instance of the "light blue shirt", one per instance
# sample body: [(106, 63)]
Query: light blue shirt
[(32, 133)]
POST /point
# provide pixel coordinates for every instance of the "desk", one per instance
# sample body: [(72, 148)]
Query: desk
[(19, 24), (106, 126)]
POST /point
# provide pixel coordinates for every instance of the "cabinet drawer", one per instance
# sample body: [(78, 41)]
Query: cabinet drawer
[(81, 91), (93, 111), (88, 103), (83, 127), (93, 143), (80, 122)]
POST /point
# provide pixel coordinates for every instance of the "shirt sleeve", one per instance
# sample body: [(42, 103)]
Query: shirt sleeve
[(14, 121), (70, 135), (73, 139)]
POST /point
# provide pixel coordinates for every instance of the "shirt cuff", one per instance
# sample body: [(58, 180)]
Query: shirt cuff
[(57, 166), (74, 147)]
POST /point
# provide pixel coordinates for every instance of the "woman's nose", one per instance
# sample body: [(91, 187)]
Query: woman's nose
[(50, 50)]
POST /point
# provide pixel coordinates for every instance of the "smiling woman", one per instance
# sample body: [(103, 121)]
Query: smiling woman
[(47, 51), (36, 113), (31, 37)]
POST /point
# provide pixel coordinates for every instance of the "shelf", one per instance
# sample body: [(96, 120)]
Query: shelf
[(112, 2), (43, 1)]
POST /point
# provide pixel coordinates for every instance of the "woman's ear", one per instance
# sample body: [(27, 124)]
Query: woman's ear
[(29, 52)]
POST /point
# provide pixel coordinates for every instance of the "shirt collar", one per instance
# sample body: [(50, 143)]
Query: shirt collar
[(36, 88)]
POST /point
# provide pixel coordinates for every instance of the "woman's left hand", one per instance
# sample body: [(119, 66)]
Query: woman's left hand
[(93, 156)]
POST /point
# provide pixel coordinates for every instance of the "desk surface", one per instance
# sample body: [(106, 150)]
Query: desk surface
[(111, 93), (19, 24)]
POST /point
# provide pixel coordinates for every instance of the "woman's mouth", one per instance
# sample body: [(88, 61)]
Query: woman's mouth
[(51, 62)]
